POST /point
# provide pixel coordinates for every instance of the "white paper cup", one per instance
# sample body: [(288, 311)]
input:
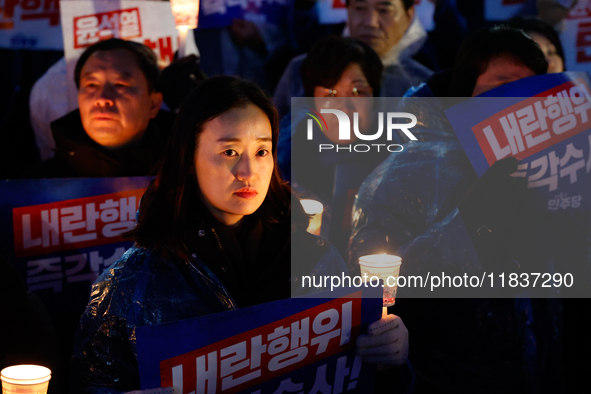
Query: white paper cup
[(185, 12), (25, 379), (382, 266), (315, 209)]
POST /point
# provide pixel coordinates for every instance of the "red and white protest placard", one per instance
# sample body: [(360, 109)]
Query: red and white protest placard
[(74, 224), (331, 11), (30, 24), (266, 352), (576, 37), (536, 123), (87, 22)]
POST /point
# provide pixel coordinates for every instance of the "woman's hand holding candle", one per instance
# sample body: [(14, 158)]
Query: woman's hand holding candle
[(386, 342)]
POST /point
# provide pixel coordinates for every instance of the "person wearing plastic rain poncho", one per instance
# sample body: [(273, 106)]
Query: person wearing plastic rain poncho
[(409, 206), (214, 234)]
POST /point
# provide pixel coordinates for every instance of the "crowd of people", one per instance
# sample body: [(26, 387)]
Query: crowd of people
[(216, 227)]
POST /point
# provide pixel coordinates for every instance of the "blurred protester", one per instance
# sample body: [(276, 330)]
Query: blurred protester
[(244, 48), (575, 348), (428, 206), (118, 129), (336, 68), (546, 37), (554, 12), (451, 27), (214, 234), (391, 29)]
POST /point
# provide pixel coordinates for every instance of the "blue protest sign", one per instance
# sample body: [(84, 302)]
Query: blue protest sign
[(544, 122), (306, 344), (220, 13), (60, 234)]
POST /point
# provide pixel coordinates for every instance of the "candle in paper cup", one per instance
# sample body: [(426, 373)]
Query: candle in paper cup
[(382, 266), (25, 379), (185, 12), (313, 208)]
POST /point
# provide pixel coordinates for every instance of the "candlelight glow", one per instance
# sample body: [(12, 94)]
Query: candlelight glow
[(26, 379), (185, 12), (382, 266), (380, 259), (312, 207)]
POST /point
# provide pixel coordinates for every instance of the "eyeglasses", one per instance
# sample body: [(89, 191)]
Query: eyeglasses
[(366, 91)]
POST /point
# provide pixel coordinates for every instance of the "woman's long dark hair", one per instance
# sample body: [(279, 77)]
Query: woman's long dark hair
[(172, 202)]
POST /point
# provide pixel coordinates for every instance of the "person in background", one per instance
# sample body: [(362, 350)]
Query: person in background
[(49, 97), (119, 129), (336, 68), (391, 29), (428, 206), (214, 234), (244, 48), (546, 37)]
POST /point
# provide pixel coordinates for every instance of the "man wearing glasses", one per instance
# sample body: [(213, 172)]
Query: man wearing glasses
[(392, 30)]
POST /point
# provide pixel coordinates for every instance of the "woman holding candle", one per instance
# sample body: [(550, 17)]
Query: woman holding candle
[(335, 68), (343, 74), (214, 234)]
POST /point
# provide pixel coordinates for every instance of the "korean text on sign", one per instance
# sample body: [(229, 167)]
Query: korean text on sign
[(259, 355), (322, 384), (74, 224), (50, 273), (539, 124), (535, 124), (89, 29), (580, 15), (31, 10)]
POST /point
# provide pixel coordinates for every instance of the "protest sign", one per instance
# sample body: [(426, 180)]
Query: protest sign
[(331, 11), (576, 37), (220, 13), (87, 22), (500, 10), (30, 24), (301, 344), (548, 129), (62, 233)]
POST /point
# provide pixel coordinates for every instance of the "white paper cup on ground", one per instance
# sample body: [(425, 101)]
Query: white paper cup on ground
[(25, 379), (314, 209), (382, 266)]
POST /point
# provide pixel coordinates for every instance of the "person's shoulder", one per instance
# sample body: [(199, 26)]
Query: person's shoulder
[(135, 260), (315, 254), (297, 61), (416, 69)]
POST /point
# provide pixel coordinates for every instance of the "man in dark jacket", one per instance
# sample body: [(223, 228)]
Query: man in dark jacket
[(118, 129)]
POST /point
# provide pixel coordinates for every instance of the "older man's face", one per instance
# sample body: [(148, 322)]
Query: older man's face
[(379, 23), (115, 102)]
